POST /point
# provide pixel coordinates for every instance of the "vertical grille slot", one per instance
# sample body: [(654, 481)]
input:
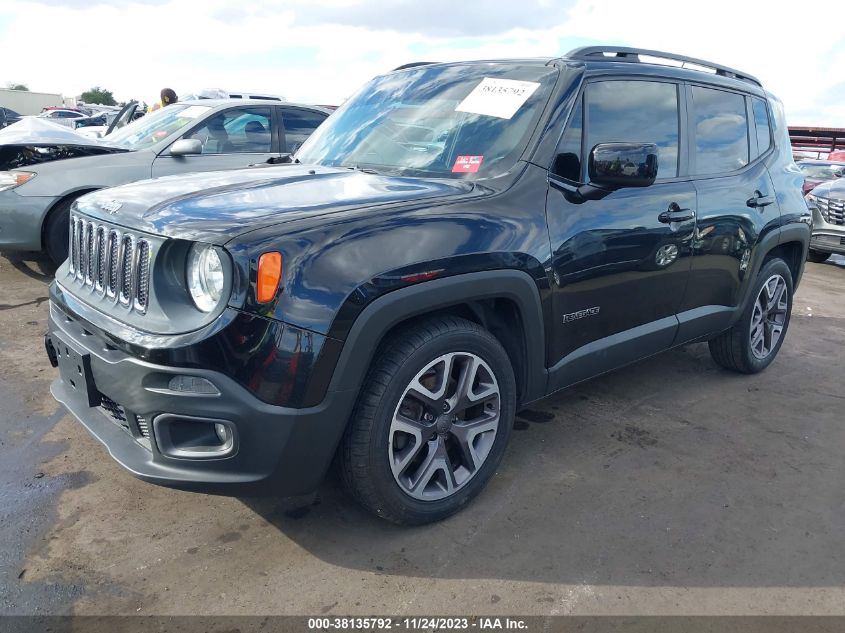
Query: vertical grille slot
[(100, 279), (89, 253), (80, 254), (114, 264), (143, 425), (126, 266), (143, 282), (73, 256)]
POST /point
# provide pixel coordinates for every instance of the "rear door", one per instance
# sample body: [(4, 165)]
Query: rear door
[(297, 125), (620, 267), (236, 137), (730, 139)]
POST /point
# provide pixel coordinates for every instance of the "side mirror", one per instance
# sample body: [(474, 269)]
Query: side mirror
[(186, 147), (617, 165)]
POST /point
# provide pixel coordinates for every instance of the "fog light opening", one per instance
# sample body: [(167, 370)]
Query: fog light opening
[(222, 432)]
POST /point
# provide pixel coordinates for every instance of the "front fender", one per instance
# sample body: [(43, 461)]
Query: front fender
[(384, 313)]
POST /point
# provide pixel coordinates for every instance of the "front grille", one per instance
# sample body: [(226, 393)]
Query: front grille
[(833, 211), (113, 262)]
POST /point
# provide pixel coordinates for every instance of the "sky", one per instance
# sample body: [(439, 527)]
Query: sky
[(321, 51)]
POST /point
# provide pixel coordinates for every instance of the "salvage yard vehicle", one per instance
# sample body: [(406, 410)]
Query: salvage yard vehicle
[(819, 171), (457, 241), (44, 167), (827, 201), (8, 116)]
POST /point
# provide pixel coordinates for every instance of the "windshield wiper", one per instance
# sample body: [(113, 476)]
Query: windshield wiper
[(366, 170)]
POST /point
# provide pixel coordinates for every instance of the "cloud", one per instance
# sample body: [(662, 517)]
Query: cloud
[(440, 18)]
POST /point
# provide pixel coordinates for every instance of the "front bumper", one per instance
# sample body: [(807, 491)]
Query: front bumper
[(21, 219), (828, 241), (275, 449), (827, 237)]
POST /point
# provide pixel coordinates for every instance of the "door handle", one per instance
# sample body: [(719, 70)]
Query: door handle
[(676, 214), (758, 200)]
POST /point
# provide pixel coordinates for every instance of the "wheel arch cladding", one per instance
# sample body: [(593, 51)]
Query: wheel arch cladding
[(793, 253), (501, 301)]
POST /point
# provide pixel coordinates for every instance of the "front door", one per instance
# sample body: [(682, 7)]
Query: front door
[(233, 138), (620, 264)]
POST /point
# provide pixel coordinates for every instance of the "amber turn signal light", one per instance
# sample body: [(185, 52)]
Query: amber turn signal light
[(269, 276)]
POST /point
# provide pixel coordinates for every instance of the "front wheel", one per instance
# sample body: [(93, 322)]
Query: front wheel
[(753, 342), (56, 232), (432, 422)]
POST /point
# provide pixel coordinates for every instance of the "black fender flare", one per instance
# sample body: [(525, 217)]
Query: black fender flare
[(789, 233), (377, 319)]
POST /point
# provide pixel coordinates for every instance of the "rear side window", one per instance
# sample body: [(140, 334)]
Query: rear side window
[(721, 131), (298, 126), (761, 123), (635, 112)]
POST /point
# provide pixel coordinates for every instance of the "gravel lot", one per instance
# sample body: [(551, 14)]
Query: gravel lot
[(669, 487)]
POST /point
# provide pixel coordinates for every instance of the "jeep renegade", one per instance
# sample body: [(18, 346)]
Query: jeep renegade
[(456, 241)]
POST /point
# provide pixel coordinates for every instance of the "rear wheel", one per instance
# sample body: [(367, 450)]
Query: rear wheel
[(56, 231), (432, 422), (754, 341), (817, 257)]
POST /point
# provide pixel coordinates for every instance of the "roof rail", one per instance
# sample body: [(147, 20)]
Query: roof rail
[(413, 65), (625, 54)]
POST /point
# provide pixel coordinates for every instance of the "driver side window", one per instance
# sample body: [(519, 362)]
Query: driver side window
[(621, 111)]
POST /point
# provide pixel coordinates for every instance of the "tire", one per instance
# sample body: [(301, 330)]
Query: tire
[(817, 257), (412, 470), (737, 349), (56, 232)]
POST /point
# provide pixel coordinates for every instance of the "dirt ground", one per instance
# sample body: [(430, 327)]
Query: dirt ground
[(669, 487)]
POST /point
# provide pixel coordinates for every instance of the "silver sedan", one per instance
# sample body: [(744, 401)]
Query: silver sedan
[(45, 167)]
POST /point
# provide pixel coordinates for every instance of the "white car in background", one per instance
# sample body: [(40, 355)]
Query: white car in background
[(63, 117)]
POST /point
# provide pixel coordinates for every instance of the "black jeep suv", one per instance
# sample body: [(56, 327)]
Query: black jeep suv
[(456, 241)]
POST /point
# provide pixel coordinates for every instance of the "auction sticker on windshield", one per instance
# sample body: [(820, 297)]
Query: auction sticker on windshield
[(497, 97), (467, 164)]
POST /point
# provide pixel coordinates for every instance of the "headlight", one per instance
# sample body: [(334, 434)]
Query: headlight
[(12, 179), (205, 276)]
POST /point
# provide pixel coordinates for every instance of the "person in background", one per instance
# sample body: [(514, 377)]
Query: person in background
[(168, 97)]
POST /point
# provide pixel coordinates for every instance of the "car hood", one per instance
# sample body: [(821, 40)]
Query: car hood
[(831, 189), (214, 207), (32, 141)]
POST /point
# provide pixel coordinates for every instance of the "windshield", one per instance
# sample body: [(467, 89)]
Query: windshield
[(458, 121), (817, 171), (152, 128)]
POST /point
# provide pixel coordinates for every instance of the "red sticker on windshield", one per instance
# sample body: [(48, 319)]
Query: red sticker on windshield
[(467, 164)]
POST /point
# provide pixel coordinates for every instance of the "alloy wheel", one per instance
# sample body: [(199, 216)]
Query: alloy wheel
[(444, 426), (769, 316)]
